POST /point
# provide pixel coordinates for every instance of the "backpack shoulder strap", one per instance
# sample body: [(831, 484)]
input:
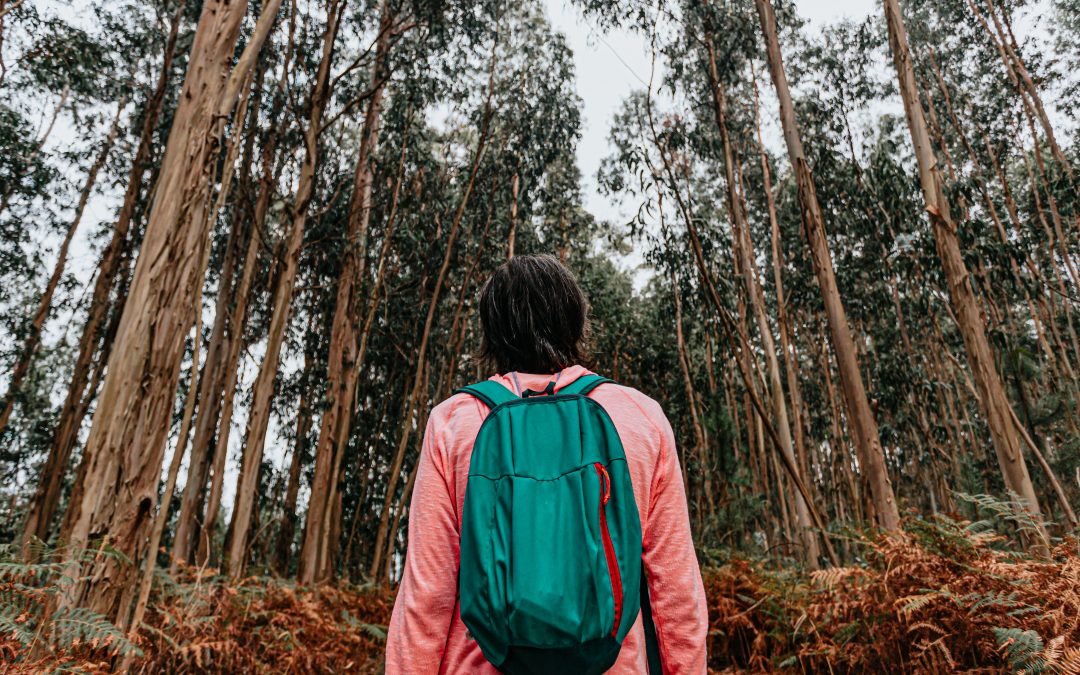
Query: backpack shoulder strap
[(652, 646), (491, 393), (584, 384)]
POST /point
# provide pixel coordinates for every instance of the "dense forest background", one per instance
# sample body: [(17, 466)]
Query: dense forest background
[(858, 306)]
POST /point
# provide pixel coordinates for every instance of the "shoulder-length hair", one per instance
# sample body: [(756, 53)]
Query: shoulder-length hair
[(535, 316)]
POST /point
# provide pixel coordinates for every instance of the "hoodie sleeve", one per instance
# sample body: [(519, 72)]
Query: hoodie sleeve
[(427, 595), (676, 593)]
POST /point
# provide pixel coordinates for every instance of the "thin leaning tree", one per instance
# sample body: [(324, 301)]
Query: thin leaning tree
[(864, 426), (993, 401)]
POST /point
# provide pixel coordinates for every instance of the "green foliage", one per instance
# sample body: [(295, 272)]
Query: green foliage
[(376, 631), (29, 595), (1012, 511), (73, 627), (1023, 648)]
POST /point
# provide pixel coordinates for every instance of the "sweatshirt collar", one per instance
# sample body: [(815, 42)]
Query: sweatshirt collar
[(518, 382)]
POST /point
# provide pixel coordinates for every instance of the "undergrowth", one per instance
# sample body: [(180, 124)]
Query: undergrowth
[(196, 622), (948, 596), (38, 631), (265, 625)]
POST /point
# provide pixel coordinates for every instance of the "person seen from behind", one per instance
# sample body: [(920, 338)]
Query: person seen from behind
[(548, 526)]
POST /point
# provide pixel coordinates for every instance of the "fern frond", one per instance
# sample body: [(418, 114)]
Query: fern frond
[(14, 622), (69, 628), (1023, 649), (375, 631), (834, 576), (1054, 650), (913, 603), (927, 626), (1069, 662), (944, 649), (1013, 510)]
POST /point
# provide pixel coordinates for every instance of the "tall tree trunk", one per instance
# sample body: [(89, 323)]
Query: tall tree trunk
[(330, 542), (47, 495), (860, 416), (162, 517), (225, 366), (380, 268), (400, 507), (213, 372), (991, 394), (127, 438), (262, 394)]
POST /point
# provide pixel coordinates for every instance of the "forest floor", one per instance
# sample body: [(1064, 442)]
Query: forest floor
[(948, 596)]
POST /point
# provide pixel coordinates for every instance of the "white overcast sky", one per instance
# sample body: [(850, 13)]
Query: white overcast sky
[(609, 65)]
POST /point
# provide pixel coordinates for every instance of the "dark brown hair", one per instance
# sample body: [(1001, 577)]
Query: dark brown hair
[(534, 315)]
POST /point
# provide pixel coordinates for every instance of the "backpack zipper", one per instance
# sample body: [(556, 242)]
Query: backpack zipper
[(609, 548)]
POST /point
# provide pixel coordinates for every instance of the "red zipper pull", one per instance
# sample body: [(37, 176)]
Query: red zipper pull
[(605, 483)]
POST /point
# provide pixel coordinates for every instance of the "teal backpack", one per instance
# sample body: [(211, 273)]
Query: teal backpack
[(551, 578)]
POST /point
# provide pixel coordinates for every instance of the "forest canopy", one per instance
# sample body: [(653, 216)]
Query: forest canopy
[(241, 248)]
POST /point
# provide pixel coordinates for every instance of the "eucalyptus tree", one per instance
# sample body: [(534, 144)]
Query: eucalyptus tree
[(1011, 197), (995, 404), (860, 416), (872, 209), (404, 32), (745, 266), (316, 103), (105, 79), (314, 559), (124, 451)]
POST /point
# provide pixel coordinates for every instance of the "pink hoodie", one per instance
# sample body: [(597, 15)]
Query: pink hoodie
[(426, 633)]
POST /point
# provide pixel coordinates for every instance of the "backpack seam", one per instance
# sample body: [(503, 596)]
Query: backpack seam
[(545, 480)]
